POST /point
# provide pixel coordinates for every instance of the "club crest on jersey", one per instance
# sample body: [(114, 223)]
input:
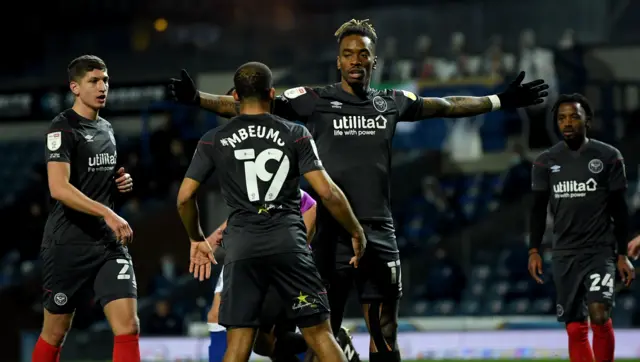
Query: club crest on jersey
[(60, 299), (294, 93), (379, 104), (54, 141), (112, 138), (596, 166)]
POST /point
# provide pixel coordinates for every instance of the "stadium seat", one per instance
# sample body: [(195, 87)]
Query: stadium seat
[(518, 307), (492, 307), (543, 306), (469, 307), (444, 308)]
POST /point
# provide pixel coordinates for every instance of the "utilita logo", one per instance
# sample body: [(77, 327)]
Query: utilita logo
[(573, 189), (102, 162), (358, 125)]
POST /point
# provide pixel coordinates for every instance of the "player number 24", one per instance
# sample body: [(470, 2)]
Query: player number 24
[(597, 281), (255, 168)]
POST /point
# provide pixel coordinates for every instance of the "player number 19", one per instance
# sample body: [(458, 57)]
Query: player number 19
[(597, 282), (255, 168)]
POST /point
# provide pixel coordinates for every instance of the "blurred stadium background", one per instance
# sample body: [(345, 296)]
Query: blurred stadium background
[(460, 187)]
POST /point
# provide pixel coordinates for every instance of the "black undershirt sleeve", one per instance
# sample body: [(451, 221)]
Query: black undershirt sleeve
[(619, 212), (538, 219)]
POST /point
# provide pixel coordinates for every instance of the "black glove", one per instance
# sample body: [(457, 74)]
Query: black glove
[(184, 90), (519, 95)]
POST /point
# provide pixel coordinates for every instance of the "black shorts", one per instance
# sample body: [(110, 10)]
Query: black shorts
[(73, 274), (581, 280), (379, 275), (274, 314), (293, 276)]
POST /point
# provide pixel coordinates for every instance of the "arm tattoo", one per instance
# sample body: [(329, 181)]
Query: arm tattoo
[(224, 106), (454, 107)]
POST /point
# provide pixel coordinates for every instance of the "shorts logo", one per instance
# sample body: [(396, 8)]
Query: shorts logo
[(60, 299), (559, 310), (379, 104), (54, 141), (596, 166), (303, 301)]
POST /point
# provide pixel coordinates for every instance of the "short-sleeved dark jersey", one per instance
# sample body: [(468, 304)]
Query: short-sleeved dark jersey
[(90, 149), (354, 138), (579, 183), (259, 161)]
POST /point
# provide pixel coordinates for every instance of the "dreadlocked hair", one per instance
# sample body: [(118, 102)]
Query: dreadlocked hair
[(358, 27)]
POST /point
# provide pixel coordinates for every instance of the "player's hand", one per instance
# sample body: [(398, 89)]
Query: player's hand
[(519, 95), (634, 248), (216, 237), (120, 227), (626, 269), (184, 90), (535, 266), (124, 181), (201, 257), (359, 244)]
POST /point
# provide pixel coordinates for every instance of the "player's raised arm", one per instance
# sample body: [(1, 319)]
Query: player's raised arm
[(184, 90), (516, 95), (538, 218)]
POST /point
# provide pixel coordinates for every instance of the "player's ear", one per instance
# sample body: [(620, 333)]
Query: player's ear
[(272, 93), (375, 62), (75, 88), (338, 62), (234, 94)]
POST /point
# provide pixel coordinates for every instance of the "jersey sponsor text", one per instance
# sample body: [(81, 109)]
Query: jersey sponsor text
[(358, 125), (573, 188)]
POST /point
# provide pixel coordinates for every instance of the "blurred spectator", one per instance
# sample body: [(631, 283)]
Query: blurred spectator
[(163, 322), (446, 279), (518, 180), (458, 57), (166, 277), (569, 63), (537, 62), (493, 62), (423, 63), (388, 61)]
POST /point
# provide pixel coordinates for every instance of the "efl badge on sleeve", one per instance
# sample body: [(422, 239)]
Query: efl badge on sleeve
[(54, 140)]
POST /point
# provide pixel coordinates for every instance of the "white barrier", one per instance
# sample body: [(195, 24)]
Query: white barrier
[(417, 345)]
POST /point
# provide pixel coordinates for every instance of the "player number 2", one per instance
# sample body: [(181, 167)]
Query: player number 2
[(597, 282), (255, 168)]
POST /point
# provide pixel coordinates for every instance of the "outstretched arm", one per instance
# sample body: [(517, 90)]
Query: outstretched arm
[(458, 106), (224, 106)]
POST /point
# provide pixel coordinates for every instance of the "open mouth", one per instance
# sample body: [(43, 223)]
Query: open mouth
[(356, 73), (568, 132), (101, 98)]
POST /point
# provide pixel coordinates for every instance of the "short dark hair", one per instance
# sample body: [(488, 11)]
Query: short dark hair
[(84, 64), (253, 80), (357, 27), (573, 98)]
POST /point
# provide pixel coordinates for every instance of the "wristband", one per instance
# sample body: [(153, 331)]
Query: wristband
[(495, 102)]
